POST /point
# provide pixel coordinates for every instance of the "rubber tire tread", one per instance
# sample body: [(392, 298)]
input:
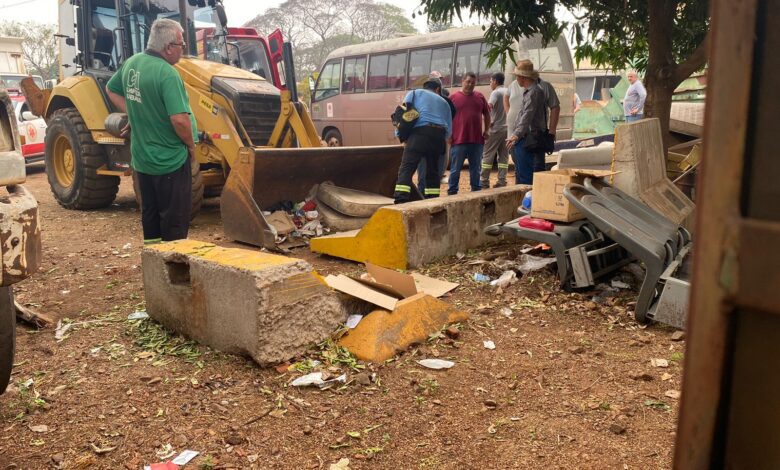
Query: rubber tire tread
[(7, 335), (89, 190)]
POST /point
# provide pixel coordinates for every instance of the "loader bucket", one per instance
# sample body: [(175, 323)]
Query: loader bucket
[(262, 177)]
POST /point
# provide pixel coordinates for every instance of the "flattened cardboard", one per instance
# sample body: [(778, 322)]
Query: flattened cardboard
[(433, 287), (357, 289), (386, 286), (400, 282)]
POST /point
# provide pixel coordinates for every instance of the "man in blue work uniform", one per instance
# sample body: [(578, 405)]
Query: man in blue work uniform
[(427, 141)]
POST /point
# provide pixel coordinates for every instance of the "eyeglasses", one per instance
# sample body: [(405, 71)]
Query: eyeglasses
[(180, 44)]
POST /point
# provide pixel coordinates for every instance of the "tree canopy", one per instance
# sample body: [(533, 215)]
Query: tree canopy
[(317, 27), (39, 46), (666, 38)]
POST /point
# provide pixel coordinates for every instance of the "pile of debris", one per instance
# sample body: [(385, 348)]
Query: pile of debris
[(327, 208)]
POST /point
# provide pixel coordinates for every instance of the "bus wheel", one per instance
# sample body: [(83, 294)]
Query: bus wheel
[(333, 138)]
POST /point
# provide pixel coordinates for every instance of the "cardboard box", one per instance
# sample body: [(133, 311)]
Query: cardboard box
[(548, 200)]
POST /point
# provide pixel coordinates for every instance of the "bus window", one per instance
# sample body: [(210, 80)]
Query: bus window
[(419, 67), (354, 75), (485, 71), (328, 81), (545, 59), (396, 71), (386, 72), (467, 60), (441, 61), (377, 72)]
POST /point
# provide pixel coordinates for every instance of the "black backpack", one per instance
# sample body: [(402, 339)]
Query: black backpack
[(404, 118)]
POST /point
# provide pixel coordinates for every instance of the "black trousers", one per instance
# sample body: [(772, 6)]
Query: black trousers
[(166, 203), (426, 143)]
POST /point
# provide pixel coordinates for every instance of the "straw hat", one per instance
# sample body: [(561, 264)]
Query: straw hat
[(525, 68)]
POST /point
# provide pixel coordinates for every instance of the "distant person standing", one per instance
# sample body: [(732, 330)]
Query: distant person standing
[(634, 101), (530, 120), (514, 102), (162, 131), (495, 143), (470, 128), (427, 140)]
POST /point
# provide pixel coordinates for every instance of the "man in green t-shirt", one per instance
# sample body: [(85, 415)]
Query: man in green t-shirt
[(162, 131)]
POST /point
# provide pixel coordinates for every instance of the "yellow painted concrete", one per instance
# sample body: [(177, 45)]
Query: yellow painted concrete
[(381, 241), (233, 257), (382, 334)]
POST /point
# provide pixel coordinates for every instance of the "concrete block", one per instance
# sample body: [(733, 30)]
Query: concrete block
[(382, 334), (337, 221), (350, 201), (268, 307), (409, 235)]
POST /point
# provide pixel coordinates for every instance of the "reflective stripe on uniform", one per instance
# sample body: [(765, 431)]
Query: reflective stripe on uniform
[(152, 241), (503, 165), (432, 191), (487, 166), (401, 188)]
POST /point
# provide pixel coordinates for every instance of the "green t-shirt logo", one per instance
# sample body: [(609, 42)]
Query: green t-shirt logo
[(133, 92)]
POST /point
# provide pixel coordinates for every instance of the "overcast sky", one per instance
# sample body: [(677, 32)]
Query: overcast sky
[(238, 11)]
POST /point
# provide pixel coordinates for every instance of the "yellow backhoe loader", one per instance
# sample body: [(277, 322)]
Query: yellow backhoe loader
[(257, 143)]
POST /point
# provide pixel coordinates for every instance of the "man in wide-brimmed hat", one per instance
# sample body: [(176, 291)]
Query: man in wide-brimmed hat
[(513, 101), (532, 119)]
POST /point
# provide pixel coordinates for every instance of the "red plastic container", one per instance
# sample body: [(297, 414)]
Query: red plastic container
[(543, 225)]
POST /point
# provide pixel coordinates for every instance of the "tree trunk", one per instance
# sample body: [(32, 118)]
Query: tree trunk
[(663, 74), (660, 63)]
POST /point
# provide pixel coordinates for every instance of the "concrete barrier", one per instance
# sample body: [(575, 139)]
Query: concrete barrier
[(268, 307), (412, 234)]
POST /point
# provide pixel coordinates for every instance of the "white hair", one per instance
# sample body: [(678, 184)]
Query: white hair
[(163, 32)]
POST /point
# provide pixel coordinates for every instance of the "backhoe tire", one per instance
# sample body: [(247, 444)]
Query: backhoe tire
[(72, 160), (197, 190), (7, 335)]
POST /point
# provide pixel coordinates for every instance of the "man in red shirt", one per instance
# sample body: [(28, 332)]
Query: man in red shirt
[(470, 128)]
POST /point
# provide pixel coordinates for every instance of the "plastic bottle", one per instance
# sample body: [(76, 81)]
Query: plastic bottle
[(526, 204)]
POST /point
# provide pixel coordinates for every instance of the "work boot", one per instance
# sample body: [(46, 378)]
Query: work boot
[(500, 184), (484, 184)]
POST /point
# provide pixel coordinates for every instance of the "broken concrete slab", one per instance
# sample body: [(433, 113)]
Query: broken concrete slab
[(268, 307), (351, 202), (409, 235), (337, 221), (382, 334)]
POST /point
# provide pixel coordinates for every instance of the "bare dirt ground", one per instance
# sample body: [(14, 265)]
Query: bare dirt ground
[(569, 385)]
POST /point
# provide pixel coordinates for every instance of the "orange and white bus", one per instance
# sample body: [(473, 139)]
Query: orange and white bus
[(359, 86)]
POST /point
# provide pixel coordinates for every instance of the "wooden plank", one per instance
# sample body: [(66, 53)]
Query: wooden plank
[(718, 215)]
